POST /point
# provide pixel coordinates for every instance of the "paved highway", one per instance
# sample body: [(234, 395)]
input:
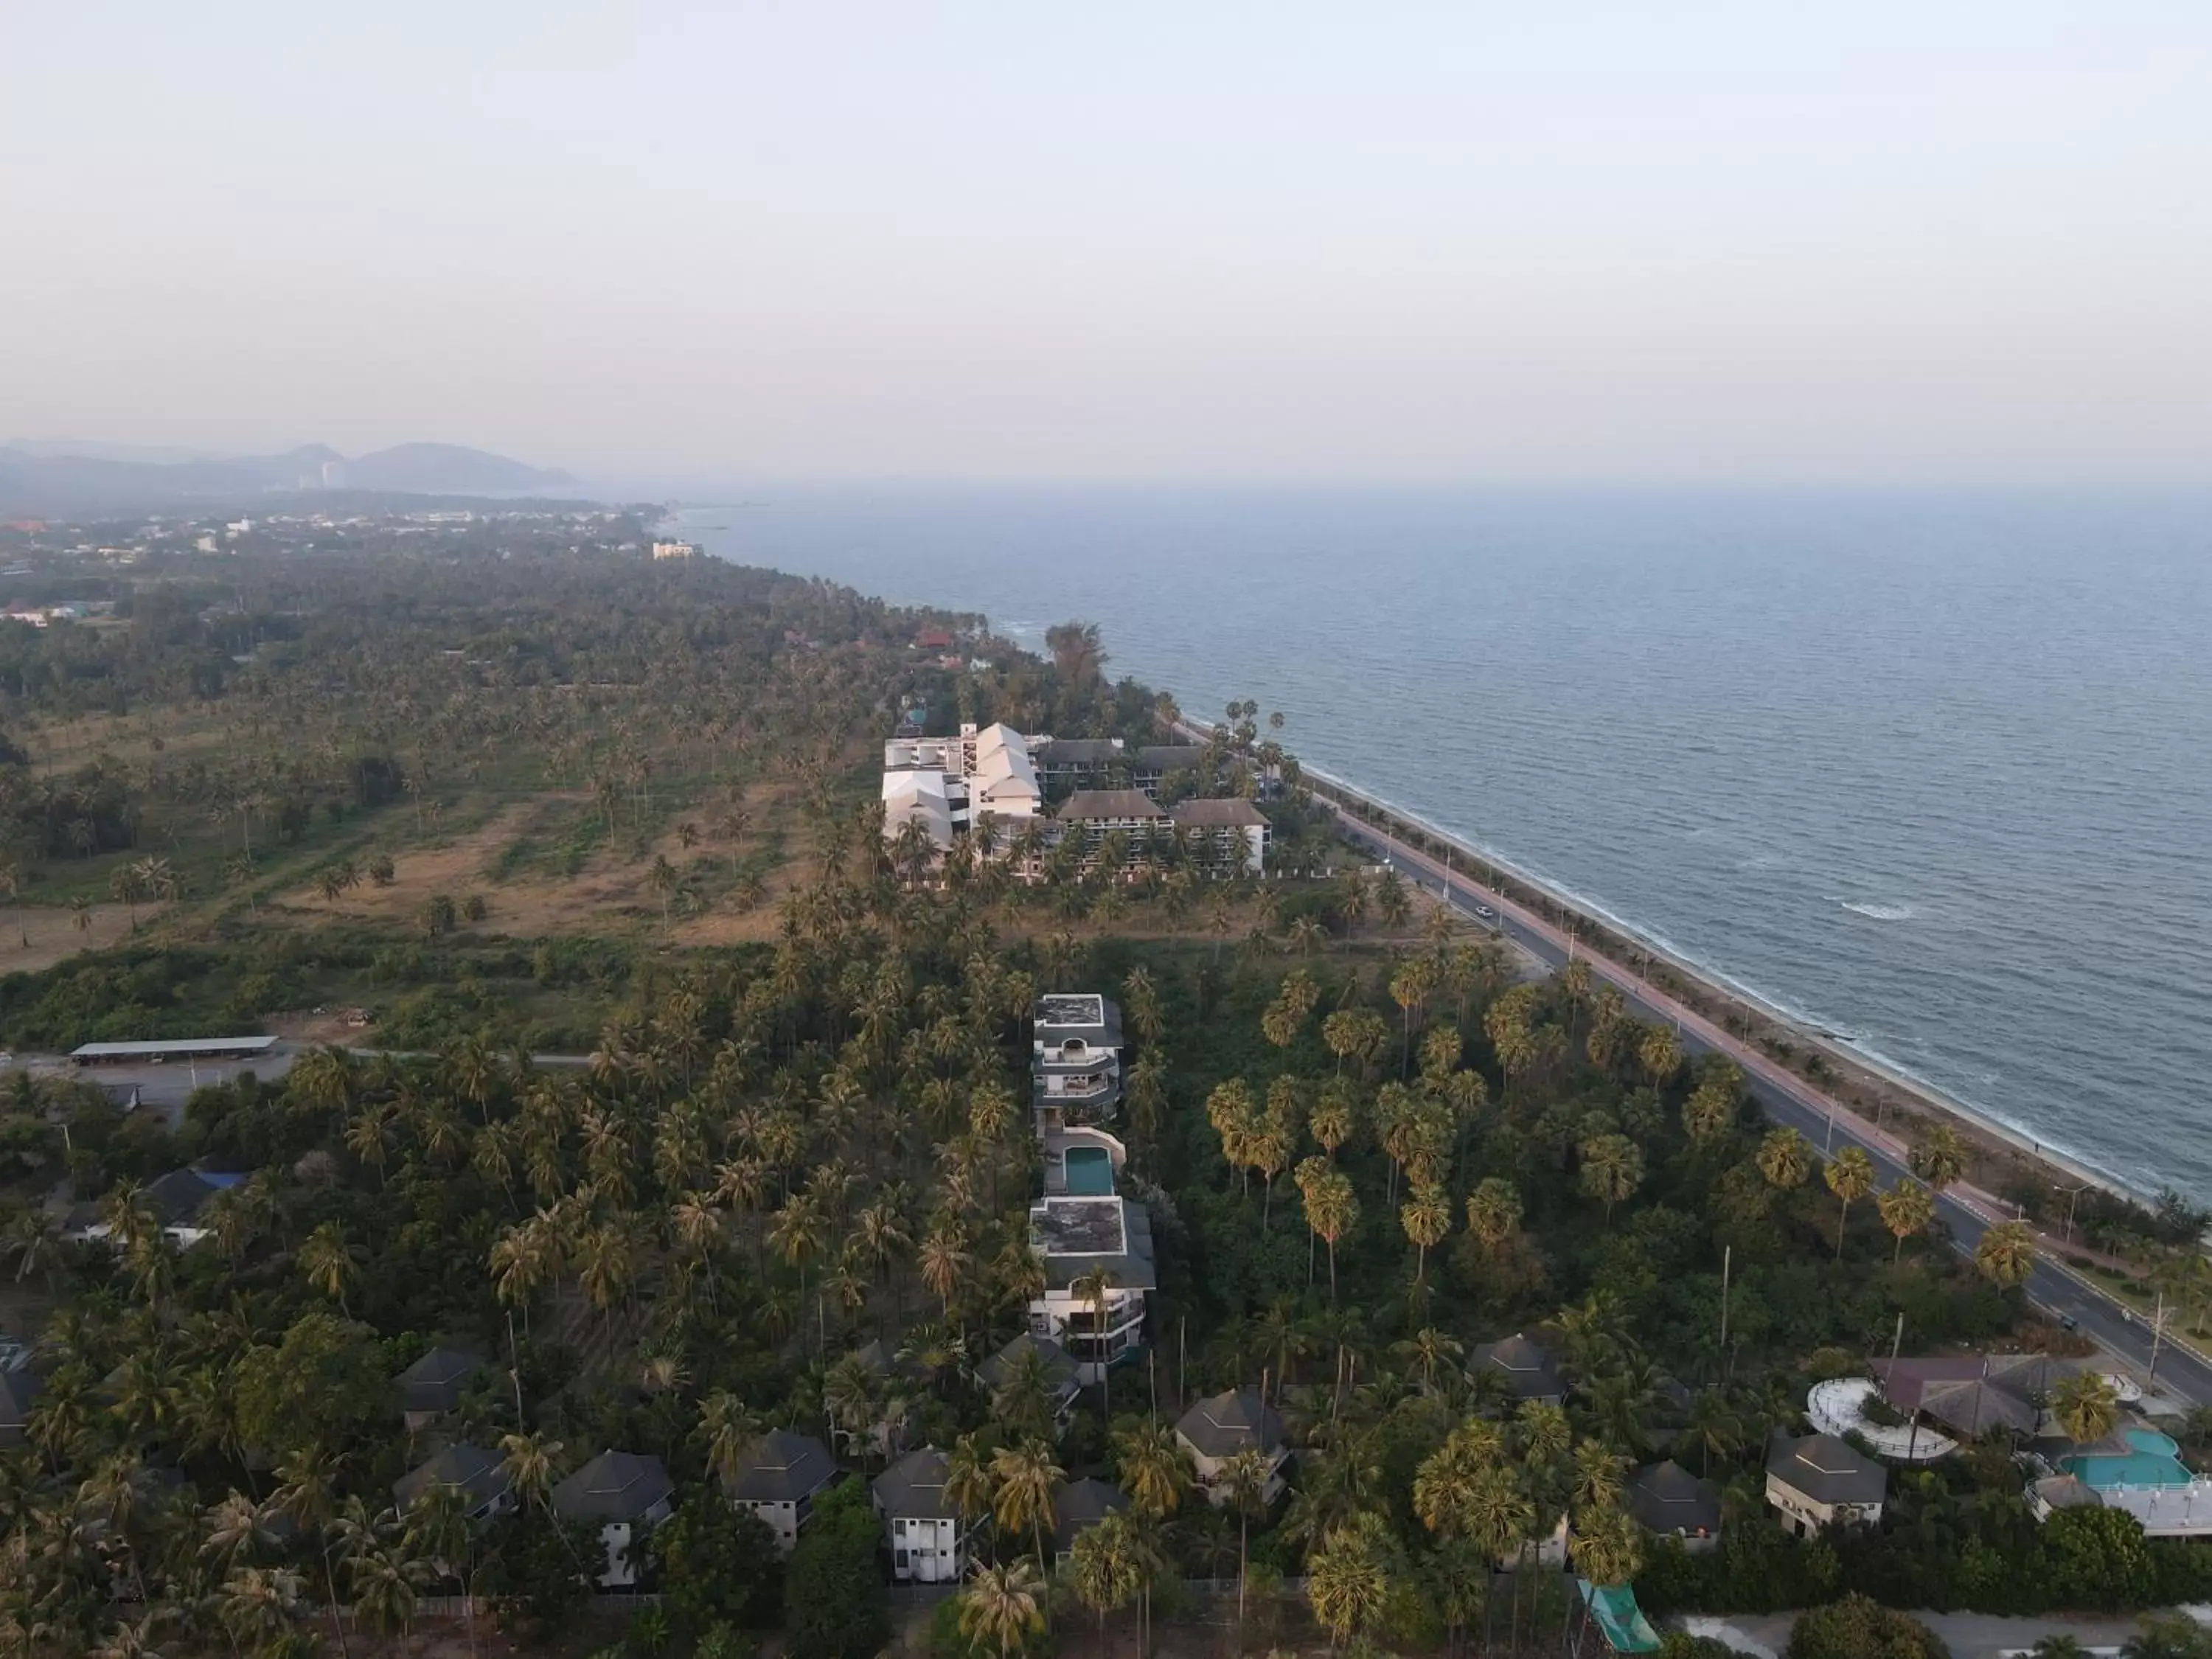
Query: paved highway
[(1789, 1100)]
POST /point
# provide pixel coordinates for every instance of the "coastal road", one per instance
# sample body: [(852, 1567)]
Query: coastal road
[(1791, 1102)]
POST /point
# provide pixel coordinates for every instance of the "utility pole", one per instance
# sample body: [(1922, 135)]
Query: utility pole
[(2157, 1330), (1727, 1256)]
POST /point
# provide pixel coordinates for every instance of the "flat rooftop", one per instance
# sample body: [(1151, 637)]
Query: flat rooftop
[(1070, 1008), (1078, 1226)]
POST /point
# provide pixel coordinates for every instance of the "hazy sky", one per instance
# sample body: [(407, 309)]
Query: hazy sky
[(1653, 241)]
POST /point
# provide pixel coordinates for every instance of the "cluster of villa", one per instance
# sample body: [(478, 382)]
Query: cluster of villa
[(1828, 1478), (1022, 796)]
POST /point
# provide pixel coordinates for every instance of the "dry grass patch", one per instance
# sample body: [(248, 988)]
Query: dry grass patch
[(54, 936)]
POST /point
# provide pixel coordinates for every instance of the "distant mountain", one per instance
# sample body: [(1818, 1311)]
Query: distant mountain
[(446, 470), (35, 480)]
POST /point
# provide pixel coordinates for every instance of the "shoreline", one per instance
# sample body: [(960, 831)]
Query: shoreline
[(1870, 1087)]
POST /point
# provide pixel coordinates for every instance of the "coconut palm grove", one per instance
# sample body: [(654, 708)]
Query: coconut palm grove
[(725, 1227)]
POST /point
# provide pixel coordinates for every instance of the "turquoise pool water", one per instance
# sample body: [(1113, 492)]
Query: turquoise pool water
[(1089, 1171), (2153, 1463)]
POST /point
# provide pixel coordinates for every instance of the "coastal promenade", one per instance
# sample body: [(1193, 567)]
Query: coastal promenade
[(1790, 1101)]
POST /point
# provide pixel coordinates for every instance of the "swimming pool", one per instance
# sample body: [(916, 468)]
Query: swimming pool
[(2153, 1463), (1090, 1172)]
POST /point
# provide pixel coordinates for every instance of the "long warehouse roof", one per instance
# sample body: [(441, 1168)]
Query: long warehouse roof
[(244, 1045)]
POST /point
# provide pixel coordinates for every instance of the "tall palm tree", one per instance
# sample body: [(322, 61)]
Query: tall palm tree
[(1612, 1170), (1154, 1469), (529, 1462), (1427, 1218), (2005, 1254), (1348, 1578), (1244, 1478), (1906, 1209), (1025, 1480), (1106, 1566), (1094, 1287), (1332, 1210), (326, 1262), (1493, 1211), (944, 1262), (730, 1429), (1597, 1477), (307, 1491), (1607, 1547), (2086, 1406), (1849, 1176), (1940, 1159), (970, 1485), (1784, 1159), (1004, 1606)]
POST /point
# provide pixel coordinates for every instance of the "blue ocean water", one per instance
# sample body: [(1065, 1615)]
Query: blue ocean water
[(1931, 770)]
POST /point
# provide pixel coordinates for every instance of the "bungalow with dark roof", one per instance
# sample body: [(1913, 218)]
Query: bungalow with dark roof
[(1080, 1506), (1667, 1499), (1531, 1373), (1221, 1425), (1818, 1481), (480, 1476), (432, 1386), (927, 1537), (778, 1480), (1055, 1367), (628, 1495)]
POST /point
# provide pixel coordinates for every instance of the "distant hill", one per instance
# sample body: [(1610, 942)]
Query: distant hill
[(35, 480), (446, 470)]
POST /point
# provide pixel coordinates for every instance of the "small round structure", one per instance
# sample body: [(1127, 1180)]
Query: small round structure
[(1838, 1408)]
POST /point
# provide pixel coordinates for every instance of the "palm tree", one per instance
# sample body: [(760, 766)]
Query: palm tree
[(1427, 1218), (2086, 1406), (1906, 1209), (2005, 1254), (1244, 1478), (528, 1461), (1597, 1477), (1714, 1426), (1786, 1159), (730, 1429), (1332, 1210), (1612, 1170), (1493, 1211), (1094, 1287), (1849, 1176), (326, 1262), (1025, 1480), (1710, 1111), (1106, 1566), (1004, 1606), (968, 1480), (1154, 1469), (942, 1263), (1607, 1547), (1940, 1159), (1348, 1578), (307, 1491)]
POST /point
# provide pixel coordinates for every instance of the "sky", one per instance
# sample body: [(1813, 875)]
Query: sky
[(1464, 242)]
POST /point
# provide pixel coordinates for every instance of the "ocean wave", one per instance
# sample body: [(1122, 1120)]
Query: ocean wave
[(1879, 912)]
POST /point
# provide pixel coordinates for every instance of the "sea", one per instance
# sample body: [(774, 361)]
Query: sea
[(1930, 771)]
